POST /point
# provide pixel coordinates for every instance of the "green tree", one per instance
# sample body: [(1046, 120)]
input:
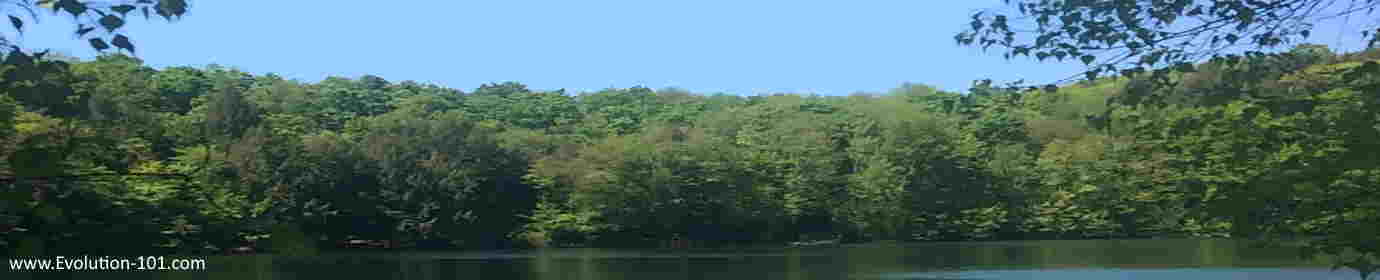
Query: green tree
[(178, 87), (344, 99), (448, 173), (622, 111)]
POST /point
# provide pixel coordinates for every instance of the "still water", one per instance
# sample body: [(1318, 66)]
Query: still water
[(1076, 260)]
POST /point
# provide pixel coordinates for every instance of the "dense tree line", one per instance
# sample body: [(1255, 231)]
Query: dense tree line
[(197, 159), (113, 157)]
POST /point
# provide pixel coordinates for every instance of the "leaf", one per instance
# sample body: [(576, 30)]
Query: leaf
[(111, 22), (1088, 59), (171, 8), (1197, 10), (122, 9), (1021, 51), (83, 29), (120, 41), (47, 4), (98, 44), (18, 24), (72, 7)]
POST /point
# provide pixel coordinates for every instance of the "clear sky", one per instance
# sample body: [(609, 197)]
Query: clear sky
[(740, 47)]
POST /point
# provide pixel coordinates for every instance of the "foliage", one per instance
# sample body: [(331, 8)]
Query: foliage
[(193, 160), (1131, 36), (107, 17)]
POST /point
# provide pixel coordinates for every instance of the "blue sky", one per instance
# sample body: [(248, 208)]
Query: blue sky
[(740, 47)]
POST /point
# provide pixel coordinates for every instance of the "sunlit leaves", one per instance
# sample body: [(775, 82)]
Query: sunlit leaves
[(230, 114), (17, 23)]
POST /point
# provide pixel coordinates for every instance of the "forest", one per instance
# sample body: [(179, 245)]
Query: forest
[(110, 156)]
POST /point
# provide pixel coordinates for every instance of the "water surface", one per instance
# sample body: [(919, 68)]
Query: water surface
[(1075, 260)]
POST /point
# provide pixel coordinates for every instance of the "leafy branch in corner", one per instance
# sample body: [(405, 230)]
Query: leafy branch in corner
[(108, 17), (1128, 37)]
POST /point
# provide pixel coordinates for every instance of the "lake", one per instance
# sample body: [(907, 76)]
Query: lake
[(1083, 259)]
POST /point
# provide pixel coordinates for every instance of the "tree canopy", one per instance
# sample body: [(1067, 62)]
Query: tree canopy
[(296, 167), (195, 160)]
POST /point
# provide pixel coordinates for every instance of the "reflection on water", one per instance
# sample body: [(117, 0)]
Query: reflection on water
[(1092, 259), (1136, 274)]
